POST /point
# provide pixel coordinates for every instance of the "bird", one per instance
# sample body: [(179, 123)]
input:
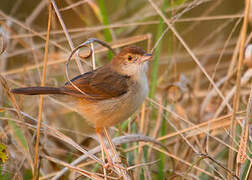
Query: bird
[(107, 95)]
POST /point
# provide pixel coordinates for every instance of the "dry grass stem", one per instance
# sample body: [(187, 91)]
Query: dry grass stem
[(236, 99), (195, 122), (36, 158), (67, 34)]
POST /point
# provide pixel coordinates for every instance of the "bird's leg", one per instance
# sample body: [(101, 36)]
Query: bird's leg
[(104, 147), (113, 149), (119, 166), (99, 134), (111, 144), (104, 169)]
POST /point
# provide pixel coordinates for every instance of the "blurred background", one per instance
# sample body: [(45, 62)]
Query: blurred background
[(183, 110)]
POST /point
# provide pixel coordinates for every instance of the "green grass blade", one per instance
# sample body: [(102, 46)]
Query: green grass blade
[(105, 21), (154, 74), (247, 164), (19, 135)]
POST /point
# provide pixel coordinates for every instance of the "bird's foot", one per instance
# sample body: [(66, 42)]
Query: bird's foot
[(112, 164)]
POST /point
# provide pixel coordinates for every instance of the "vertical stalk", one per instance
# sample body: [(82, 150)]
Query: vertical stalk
[(105, 21), (36, 167), (236, 99)]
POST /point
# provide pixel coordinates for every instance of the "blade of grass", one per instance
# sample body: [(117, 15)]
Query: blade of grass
[(154, 73), (247, 166), (67, 35), (21, 138), (79, 170), (161, 164), (236, 99), (117, 44), (22, 25), (105, 21), (245, 143), (36, 167), (122, 25), (161, 14), (141, 130), (154, 77)]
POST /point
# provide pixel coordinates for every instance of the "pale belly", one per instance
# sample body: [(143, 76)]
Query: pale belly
[(110, 112)]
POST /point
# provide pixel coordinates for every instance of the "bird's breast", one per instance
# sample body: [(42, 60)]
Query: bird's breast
[(110, 112)]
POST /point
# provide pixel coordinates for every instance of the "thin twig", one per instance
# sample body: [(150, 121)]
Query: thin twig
[(67, 35), (36, 170), (31, 30), (4, 41), (93, 56), (142, 164), (190, 52), (236, 99), (246, 125), (74, 5), (79, 170), (117, 141), (128, 24), (85, 44), (117, 44), (219, 164)]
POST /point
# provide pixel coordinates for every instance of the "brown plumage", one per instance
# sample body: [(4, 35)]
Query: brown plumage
[(36, 90), (95, 84), (111, 93)]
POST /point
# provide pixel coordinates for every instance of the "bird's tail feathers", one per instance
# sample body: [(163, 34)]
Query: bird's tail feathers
[(37, 90)]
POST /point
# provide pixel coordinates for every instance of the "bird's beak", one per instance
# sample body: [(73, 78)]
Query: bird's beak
[(145, 57)]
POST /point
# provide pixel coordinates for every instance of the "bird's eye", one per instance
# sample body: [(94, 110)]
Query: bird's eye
[(130, 58)]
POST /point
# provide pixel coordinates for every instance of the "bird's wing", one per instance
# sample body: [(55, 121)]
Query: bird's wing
[(102, 83)]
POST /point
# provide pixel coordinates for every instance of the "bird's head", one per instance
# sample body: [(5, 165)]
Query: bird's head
[(131, 61)]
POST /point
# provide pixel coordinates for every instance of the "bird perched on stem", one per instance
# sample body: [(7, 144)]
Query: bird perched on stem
[(108, 95)]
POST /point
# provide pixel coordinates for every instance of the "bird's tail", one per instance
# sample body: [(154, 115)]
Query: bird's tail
[(37, 90)]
